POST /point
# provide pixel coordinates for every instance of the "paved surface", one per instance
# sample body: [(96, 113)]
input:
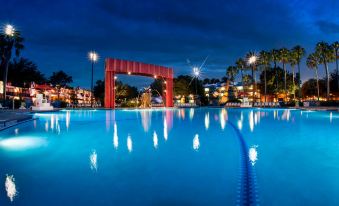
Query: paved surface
[(12, 117)]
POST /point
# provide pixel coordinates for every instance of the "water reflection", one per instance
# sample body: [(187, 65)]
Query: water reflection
[(68, 118), (223, 118), (115, 136), (93, 160), (253, 154), (331, 117), (46, 126), (240, 121), (146, 116), (286, 115), (10, 187), (155, 140), (251, 121), (207, 120), (196, 142), (165, 130), (191, 113), (16, 131), (129, 143)]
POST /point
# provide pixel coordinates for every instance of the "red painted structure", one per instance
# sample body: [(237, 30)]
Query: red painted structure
[(118, 66)]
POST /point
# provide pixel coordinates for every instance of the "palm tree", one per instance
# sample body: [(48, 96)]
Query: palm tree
[(284, 58), (264, 59), (9, 40), (275, 57), (326, 55), (241, 65), (312, 62), (299, 54), (335, 46), (252, 62), (293, 62), (231, 72)]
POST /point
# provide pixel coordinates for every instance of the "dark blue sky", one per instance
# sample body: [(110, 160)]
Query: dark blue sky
[(58, 34)]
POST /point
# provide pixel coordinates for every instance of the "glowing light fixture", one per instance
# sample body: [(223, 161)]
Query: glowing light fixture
[(196, 72), (93, 56), (129, 73), (22, 143), (9, 30), (252, 59)]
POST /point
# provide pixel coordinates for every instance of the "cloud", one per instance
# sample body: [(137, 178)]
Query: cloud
[(328, 27)]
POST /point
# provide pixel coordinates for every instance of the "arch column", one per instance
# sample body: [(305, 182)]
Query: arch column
[(169, 92), (109, 89)]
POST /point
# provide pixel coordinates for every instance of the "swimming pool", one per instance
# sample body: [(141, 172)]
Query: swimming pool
[(204, 156)]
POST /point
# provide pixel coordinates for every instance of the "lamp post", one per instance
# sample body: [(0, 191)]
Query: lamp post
[(9, 33), (196, 74), (93, 57), (252, 62)]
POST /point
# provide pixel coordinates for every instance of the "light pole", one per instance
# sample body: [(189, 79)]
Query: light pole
[(93, 57), (252, 62), (196, 74), (9, 32)]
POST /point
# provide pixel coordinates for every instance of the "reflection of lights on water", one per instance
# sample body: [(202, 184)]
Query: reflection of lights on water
[(331, 117), (68, 118), (240, 121), (22, 143), (191, 113), (93, 160), (129, 143), (34, 123), (165, 130), (146, 117), (46, 126), (286, 115), (275, 114), (155, 140), (251, 121), (253, 154), (196, 142), (115, 136), (10, 187), (52, 122), (16, 131), (222, 118), (207, 120)]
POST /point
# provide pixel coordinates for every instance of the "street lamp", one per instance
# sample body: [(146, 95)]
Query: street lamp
[(252, 59), (93, 57), (196, 74), (9, 32)]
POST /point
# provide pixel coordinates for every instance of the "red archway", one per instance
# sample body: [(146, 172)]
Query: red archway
[(118, 66)]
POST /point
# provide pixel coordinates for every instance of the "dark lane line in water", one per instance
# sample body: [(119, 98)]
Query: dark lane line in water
[(247, 189)]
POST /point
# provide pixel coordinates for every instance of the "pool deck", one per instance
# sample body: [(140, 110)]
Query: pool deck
[(9, 118)]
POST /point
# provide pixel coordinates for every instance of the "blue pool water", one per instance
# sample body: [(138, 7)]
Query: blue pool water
[(205, 156)]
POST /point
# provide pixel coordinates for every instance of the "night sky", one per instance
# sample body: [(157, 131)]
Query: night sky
[(58, 34)]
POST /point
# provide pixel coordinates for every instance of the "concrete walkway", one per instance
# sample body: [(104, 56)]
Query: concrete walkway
[(11, 117)]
